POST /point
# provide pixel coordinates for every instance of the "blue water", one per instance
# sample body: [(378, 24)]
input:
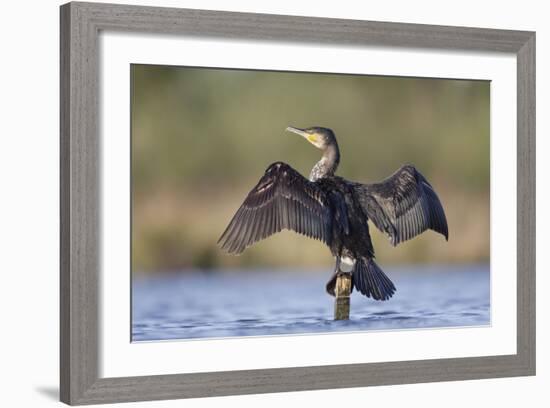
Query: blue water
[(256, 303)]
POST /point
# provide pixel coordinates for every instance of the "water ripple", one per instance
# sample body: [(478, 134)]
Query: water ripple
[(190, 305)]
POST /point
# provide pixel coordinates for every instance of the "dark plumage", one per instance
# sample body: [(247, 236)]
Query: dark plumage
[(336, 211)]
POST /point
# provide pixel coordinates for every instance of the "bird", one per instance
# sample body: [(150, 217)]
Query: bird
[(336, 211)]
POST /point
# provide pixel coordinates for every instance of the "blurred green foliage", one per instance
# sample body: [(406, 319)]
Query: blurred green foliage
[(201, 139)]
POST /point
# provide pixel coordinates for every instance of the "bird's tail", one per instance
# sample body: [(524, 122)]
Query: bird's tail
[(368, 278)]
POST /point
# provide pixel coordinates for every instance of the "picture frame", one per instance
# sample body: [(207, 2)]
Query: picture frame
[(81, 23)]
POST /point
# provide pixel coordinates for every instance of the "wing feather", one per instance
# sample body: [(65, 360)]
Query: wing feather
[(282, 199), (403, 206)]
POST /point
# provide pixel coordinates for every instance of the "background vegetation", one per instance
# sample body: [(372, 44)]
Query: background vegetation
[(201, 139)]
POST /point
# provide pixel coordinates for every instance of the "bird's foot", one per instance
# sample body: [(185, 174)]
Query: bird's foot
[(331, 284)]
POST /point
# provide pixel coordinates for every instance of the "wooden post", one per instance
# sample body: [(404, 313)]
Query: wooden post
[(342, 292)]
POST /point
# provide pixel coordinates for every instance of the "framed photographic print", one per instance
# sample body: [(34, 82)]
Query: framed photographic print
[(259, 203)]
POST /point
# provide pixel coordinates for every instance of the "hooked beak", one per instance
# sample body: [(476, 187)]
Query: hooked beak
[(298, 131), (309, 136)]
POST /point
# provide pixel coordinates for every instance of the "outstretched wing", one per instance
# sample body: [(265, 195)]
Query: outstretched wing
[(403, 206), (282, 199)]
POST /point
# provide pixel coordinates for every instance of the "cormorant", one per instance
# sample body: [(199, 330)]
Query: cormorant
[(335, 211)]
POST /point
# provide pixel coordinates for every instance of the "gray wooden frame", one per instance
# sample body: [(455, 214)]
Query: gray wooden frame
[(80, 235)]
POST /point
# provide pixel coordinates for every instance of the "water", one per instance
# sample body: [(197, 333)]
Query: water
[(199, 305)]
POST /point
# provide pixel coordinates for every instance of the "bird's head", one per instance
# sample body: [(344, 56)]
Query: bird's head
[(319, 137)]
